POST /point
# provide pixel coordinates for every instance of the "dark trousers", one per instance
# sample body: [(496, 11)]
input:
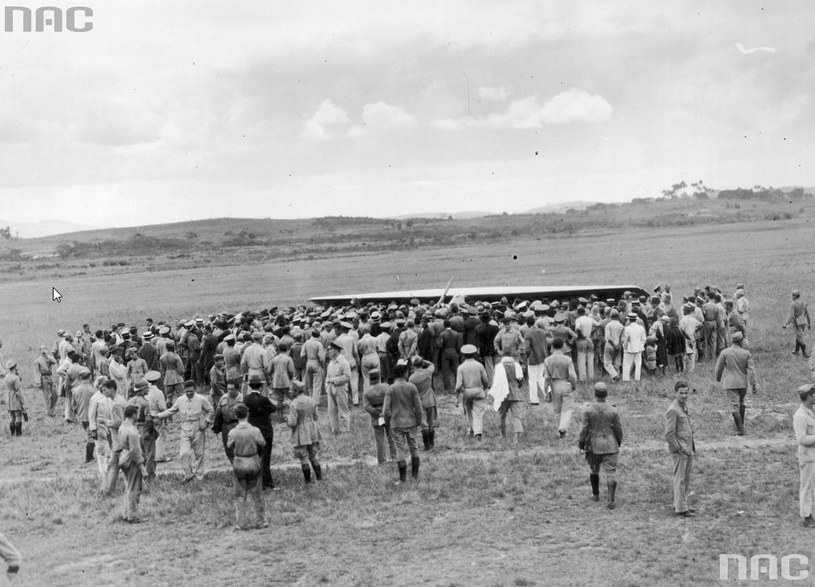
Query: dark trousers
[(266, 457)]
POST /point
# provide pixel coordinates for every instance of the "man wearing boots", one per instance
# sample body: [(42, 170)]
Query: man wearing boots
[(601, 437), (736, 365), (404, 408), (422, 378), (16, 407), (305, 436), (799, 318), (81, 400)]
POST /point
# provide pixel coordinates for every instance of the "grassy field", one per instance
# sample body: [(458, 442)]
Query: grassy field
[(480, 515)]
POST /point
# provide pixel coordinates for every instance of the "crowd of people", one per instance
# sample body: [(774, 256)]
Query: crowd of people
[(236, 374)]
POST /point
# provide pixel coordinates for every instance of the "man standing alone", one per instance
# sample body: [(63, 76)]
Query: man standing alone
[(799, 318), (679, 435)]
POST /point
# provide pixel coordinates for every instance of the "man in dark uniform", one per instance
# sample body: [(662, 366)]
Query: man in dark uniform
[(451, 343), (601, 437), (484, 335), (260, 416), (799, 319), (404, 408)]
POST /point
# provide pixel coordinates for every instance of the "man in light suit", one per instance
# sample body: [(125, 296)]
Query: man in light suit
[(679, 435), (735, 364), (803, 422), (601, 437)]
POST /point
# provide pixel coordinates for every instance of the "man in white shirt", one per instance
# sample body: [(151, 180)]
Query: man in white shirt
[(633, 343), (803, 423), (195, 413)]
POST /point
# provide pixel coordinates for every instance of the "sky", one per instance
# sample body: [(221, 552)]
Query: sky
[(186, 109)]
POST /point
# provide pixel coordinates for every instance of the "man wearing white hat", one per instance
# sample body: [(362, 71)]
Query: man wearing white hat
[(472, 383)]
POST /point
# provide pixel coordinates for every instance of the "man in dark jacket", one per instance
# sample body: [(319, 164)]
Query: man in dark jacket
[(260, 416), (601, 437), (403, 407)]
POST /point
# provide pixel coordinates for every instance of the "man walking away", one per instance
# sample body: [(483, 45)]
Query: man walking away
[(601, 437)]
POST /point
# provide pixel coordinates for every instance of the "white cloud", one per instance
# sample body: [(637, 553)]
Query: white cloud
[(381, 117), (493, 94), (576, 106), (571, 106), (327, 114)]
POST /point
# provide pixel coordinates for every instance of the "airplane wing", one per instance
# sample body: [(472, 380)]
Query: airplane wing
[(486, 294)]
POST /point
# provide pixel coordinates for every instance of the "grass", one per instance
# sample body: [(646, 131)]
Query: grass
[(498, 521), (483, 515)]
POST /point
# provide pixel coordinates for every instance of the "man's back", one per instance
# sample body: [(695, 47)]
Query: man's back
[(403, 405), (602, 428), (736, 365)]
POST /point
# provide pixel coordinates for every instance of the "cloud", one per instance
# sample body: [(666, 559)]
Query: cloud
[(571, 106), (493, 94), (379, 117), (576, 106), (327, 114)]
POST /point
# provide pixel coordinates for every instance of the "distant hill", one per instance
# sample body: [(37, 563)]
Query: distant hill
[(445, 215), (560, 207), (44, 228)]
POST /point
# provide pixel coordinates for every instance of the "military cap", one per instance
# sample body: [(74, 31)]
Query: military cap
[(335, 345), (189, 323), (386, 325), (805, 390), (600, 389), (164, 330), (142, 384), (469, 349), (738, 337), (152, 376), (582, 300), (11, 364), (560, 317)]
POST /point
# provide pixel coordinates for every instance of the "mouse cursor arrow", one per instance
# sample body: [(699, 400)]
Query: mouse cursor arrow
[(55, 295)]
